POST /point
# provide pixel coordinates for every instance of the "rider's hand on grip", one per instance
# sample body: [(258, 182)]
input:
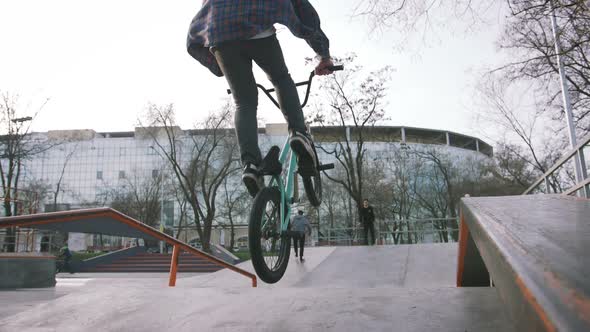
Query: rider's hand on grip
[(324, 67)]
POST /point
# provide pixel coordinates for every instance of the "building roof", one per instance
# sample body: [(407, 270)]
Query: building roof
[(401, 134)]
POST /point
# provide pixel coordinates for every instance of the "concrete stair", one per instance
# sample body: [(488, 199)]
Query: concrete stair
[(152, 262)]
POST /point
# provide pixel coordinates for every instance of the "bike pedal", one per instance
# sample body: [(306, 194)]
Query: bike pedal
[(326, 167), (307, 171), (271, 164)]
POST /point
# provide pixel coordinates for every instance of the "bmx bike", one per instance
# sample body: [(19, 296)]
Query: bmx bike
[(268, 225)]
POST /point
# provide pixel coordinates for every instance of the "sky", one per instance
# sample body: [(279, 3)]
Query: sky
[(99, 63)]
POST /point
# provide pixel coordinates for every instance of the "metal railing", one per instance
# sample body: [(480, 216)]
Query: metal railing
[(577, 155), (394, 232), (386, 232)]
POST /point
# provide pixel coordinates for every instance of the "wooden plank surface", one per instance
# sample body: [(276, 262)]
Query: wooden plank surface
[(537, 250)]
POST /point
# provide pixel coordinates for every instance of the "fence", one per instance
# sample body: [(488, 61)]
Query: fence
[(582, 185), (409, 231)]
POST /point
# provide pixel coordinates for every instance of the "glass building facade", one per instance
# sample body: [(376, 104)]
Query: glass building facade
[(89, 166)]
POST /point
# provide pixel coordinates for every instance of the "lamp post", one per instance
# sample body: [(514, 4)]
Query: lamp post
[(580, 164), (162, 209), (161, 199)]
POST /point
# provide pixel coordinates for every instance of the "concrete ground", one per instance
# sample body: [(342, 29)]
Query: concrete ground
[(15, 301), (381, 288)]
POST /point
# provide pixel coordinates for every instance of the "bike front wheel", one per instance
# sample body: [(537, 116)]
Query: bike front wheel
[(269, 246)]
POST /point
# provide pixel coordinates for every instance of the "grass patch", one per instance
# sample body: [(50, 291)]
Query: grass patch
[(242, 255)]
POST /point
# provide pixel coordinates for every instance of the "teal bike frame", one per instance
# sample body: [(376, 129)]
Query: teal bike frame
[(288, 191)]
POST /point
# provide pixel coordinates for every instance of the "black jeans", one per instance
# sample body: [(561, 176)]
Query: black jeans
[(369, 227), (235, 60), (63, 265), (299, 241)]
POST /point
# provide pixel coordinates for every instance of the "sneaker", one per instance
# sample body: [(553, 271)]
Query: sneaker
[(252, 179), (301, 259), (302, 144)]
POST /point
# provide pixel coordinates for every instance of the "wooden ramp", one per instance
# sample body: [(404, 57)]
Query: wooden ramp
[(537, 251)]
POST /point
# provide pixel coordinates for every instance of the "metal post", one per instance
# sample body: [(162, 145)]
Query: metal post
[(580, 164), (319, 230), (162, 208), (174, 265), (547, 185), (17, 239)]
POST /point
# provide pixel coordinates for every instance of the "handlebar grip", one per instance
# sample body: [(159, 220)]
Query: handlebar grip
[(336, 68)]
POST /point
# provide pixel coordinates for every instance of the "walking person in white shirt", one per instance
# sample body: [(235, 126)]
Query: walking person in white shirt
[(300, 226)]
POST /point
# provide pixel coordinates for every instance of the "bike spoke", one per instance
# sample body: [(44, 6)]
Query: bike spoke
[(271, 236), (268, 217)]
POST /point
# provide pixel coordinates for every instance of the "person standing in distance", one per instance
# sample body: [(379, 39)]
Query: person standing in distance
[(368, 221)]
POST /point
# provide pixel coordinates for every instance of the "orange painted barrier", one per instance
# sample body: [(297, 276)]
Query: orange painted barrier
[(174, 266)]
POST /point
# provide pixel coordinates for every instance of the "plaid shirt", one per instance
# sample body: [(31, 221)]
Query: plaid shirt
[(221, 21)]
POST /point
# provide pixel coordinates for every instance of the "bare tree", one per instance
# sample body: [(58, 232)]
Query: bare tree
[(440, 193), (508, 174), (354, 107), (33, 193), (331, 192), (338, 209), (403, 172), (523, 132), (235, 203), (199, 159), (184, 222), (59, 185), (528, 39), (421, 18), (15, 148), (139, 198), (523, 98)]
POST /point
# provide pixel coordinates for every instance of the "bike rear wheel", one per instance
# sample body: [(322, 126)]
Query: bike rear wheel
[(313, 188), (269, 248)]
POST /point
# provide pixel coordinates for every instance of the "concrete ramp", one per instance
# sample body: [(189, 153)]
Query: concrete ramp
[(354, 267), (336, 289), (295, 272), (385, 266)]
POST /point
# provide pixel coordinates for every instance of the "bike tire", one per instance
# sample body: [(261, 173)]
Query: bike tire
[(313, 189), (264, 230)]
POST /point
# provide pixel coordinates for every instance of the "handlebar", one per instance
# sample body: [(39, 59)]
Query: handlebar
[(336, 67), (308, 83)]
